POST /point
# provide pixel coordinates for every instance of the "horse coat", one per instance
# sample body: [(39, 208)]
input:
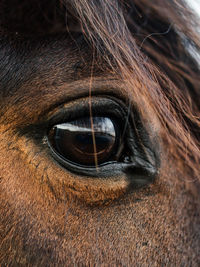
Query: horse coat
[(99, 133)]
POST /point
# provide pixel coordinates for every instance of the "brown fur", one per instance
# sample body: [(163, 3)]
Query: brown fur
[(130, 50)]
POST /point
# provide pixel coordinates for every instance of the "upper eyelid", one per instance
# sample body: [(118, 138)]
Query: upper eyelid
[(68, 112)]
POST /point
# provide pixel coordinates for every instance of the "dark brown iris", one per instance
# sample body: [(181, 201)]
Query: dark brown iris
[(75, 142)]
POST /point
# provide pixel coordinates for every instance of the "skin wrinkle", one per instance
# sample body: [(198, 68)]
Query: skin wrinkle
[(50, 216)]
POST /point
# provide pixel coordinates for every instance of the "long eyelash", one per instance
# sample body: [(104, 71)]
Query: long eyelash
[(91, 116)]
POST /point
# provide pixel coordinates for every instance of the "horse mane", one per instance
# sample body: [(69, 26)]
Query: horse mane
[(144, 43), (147, 41)]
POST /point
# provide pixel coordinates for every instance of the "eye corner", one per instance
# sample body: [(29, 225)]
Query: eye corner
[(141, 175)]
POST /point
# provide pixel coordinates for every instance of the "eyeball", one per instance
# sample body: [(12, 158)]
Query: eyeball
[(86, 141)]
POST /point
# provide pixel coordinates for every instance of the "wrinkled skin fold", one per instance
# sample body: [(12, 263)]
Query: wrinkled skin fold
[(126, 60)]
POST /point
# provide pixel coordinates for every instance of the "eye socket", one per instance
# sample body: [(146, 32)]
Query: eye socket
[(63, 142), (86, 144), (111, 146)]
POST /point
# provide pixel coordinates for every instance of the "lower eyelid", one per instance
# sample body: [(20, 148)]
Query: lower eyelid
[(90, 190), (61, 183)]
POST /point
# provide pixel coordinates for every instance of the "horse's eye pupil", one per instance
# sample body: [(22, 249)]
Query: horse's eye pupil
[(79, 142)]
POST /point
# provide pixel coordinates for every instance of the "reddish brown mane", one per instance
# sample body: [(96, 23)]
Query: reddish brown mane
[(170, 77)]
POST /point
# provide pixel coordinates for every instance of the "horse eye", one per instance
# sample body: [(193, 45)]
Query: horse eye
[(86, 142), (104, 146)]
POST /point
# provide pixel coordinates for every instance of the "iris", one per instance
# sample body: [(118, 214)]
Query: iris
[(82, 140)]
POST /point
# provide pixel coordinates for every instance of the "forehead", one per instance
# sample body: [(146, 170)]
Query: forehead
[(38, 74)]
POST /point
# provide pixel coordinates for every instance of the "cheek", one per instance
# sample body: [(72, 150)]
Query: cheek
[(31, 168), (156, 224)]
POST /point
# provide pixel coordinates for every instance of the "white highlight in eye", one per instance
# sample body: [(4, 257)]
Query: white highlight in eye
[(101, 124)]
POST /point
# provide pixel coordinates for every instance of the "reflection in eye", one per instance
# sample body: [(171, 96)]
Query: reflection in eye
[(73, 141)]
